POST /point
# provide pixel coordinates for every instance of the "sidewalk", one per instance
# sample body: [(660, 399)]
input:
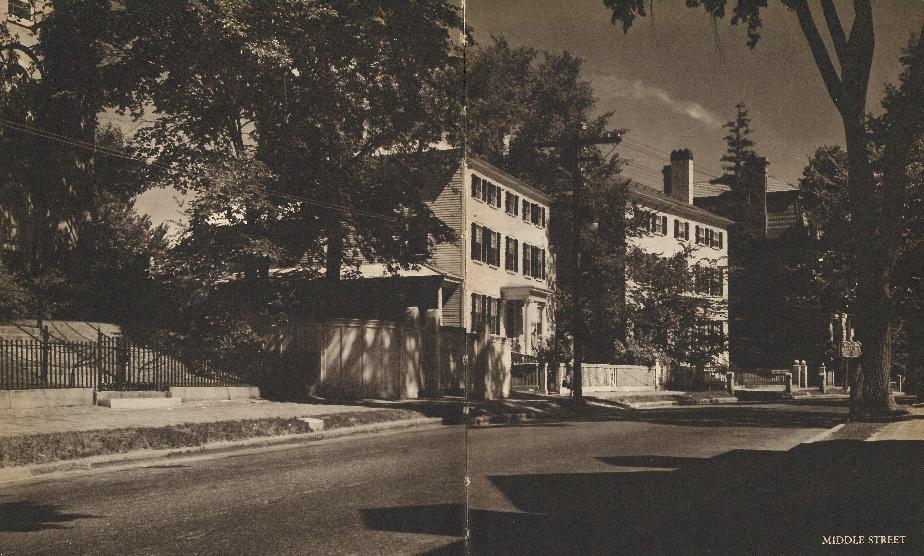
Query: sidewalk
[(911, 427), (40, 441), (92, 417)]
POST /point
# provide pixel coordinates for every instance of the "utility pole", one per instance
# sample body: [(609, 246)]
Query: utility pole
[(572, 146)]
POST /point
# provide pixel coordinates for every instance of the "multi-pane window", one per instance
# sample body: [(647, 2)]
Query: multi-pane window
[(477, 242), (534, 213), (709, 280), (709, 237), (486, 191), (651, 221), (511, 254), (681, 229), (485, 245), (485, 314), (20, 9), (512, 204), (659, 224), (533, 261)]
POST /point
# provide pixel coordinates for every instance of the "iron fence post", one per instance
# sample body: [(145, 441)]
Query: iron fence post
[(99, 357), (44, 356)]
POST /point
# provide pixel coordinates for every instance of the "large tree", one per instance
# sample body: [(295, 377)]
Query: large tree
[(845, 70), (55, 93), (321, 103)]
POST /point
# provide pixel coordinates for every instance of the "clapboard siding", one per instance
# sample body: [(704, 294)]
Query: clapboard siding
[(446, 205), (452, 305)]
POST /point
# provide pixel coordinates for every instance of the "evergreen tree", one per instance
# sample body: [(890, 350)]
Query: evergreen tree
[(736, 163)]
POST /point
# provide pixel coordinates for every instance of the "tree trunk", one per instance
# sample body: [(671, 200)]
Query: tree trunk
[(875, 392), (873, 309)]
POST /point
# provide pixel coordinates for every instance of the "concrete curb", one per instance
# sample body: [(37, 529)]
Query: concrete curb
[(824, 435), (141, 458), (502, 419)]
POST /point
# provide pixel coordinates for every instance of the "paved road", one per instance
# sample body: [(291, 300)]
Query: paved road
[(668, 481)]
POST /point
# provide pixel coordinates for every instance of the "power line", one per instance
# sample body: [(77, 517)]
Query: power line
[(660, 153), (24, 128), (655, 153)]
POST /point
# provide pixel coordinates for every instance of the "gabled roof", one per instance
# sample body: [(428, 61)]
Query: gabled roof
[(658, 200), (706, 189), (508, 180)]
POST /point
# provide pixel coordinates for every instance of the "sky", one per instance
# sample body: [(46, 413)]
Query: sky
[(674, 78)]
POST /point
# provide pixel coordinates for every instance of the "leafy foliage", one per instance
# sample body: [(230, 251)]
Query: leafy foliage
[(307, 98)]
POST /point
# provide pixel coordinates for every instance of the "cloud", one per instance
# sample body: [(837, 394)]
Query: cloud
[(614, 87)]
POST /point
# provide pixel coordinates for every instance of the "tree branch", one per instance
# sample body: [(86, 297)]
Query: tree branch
[(856, 67), (820, 53), (28, 52), (836, 29)]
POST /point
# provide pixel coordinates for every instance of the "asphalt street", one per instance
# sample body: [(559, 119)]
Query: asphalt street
[(688, 480)]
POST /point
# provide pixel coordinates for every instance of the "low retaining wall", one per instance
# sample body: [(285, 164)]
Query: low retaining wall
[(204, 393), (52, 397)]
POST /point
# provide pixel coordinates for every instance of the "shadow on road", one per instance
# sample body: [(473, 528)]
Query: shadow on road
[(781, 416), (739, 502), (22, 517)]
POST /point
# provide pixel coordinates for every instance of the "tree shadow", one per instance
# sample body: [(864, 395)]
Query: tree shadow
[(24, 517), (738, 502), (732, 416)]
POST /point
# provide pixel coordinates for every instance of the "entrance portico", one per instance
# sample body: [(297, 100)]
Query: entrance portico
[(526, 321)]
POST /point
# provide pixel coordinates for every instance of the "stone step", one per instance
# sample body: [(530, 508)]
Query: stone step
[(119, 395), (140, 403)]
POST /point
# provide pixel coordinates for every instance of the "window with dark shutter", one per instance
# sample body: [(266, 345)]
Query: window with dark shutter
[(494, 253), (720, 240), (511, 254), (476, 243), (676, 229), (526, 267), (542, 264), (686, 231), (486, 235), (511, 203), (476, 187)]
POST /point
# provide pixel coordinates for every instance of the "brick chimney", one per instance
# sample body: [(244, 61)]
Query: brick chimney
[(666, 171), (679, 176)]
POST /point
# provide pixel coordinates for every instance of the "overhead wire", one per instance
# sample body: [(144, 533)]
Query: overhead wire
[(25, 128), (657, 153)]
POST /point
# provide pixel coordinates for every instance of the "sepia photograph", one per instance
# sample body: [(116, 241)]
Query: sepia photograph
[(461, 277)]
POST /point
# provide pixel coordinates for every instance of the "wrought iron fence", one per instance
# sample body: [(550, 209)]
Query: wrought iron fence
[(107, 362), (760, 377)]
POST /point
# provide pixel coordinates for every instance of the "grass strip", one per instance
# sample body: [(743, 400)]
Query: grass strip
[(59, 446)]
